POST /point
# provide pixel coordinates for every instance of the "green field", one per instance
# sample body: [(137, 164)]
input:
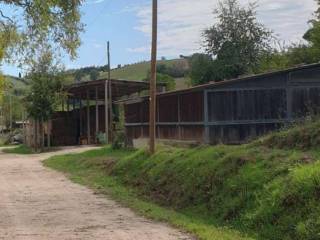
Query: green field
[(139, 71), (269, 189), (16, 83)]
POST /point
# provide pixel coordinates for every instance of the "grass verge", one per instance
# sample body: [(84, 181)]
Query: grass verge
[(93, 169), (21, 149), (269, 189)]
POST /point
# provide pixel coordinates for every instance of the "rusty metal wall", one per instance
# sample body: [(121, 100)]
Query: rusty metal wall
[(178, 117), (232, 112), (65, 129), (191, 107)]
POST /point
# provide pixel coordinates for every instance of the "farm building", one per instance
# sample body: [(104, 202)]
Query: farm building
[(231, 112), (86, 113)]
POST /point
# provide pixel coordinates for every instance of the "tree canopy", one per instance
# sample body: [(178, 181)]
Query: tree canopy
[(27, 24), (234, 45), (45, 88)]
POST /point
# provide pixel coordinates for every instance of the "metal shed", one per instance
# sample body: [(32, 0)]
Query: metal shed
[(87, 110), (232, 111)]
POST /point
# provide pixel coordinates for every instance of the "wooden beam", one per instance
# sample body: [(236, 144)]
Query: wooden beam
[(206, 117), (179, 118), (289, 97), (73, 104), (110, 93), (106, 98), (68, 104), (49, 124), (97, 113), (80, 118), (88, 118)]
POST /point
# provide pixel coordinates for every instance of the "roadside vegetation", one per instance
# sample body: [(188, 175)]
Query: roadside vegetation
[(21, 149), (268, 189)]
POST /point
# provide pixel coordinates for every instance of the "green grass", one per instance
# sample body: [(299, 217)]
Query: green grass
[(16, 83), (21, 149), (269, 189), (93, 169)]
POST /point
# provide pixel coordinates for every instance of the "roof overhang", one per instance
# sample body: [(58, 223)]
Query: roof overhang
[(119, 88)]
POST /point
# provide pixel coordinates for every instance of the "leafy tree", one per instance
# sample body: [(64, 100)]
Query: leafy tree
[(28, 25), (37, 22), (169, 81), (177, 69), (44, 93), (313, 34), (201, 69), (238, 40), (94, 74), (78, 76), (45, 88), (165, 79)]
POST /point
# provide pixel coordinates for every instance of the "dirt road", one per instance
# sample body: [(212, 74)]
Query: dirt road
[(39, 204)]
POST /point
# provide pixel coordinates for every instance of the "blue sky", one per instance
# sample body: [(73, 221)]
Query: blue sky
[(126, 24)]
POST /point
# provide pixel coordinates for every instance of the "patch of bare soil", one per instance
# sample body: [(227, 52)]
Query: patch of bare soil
[(39, 204)]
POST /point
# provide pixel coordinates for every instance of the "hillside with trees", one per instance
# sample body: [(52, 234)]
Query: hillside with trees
[(175, 69)]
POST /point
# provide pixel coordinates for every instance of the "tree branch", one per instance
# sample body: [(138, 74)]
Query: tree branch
[(6, 17)]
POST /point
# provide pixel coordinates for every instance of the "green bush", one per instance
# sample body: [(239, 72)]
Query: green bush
[(102, 138), (119, 140)]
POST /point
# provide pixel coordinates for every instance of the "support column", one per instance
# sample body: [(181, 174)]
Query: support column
[(73, 104), (158, 118), (62, 105), (111, 111), (97, 113), (106, 104), (88, 118), (179, 118), (49, 124), (289, 99), (68, 104), (80, 117), (110, 94), (206, 118)]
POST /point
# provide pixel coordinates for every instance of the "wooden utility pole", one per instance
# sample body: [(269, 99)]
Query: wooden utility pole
[(110, 93), (106, 99), (153, 80)]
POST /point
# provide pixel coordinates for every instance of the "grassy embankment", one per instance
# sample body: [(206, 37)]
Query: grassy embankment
[(269, 189)]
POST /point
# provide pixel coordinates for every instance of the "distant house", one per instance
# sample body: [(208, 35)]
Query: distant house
[(233, 111)]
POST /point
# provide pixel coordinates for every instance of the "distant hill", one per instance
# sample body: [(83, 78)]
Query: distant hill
[(138, 71), (18, 84)]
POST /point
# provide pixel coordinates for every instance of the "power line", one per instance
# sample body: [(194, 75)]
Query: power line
[(97, 16)]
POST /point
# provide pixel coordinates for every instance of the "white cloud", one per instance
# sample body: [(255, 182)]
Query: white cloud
[(90, 2), (98, 45), (138, 49), (181, 22)]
